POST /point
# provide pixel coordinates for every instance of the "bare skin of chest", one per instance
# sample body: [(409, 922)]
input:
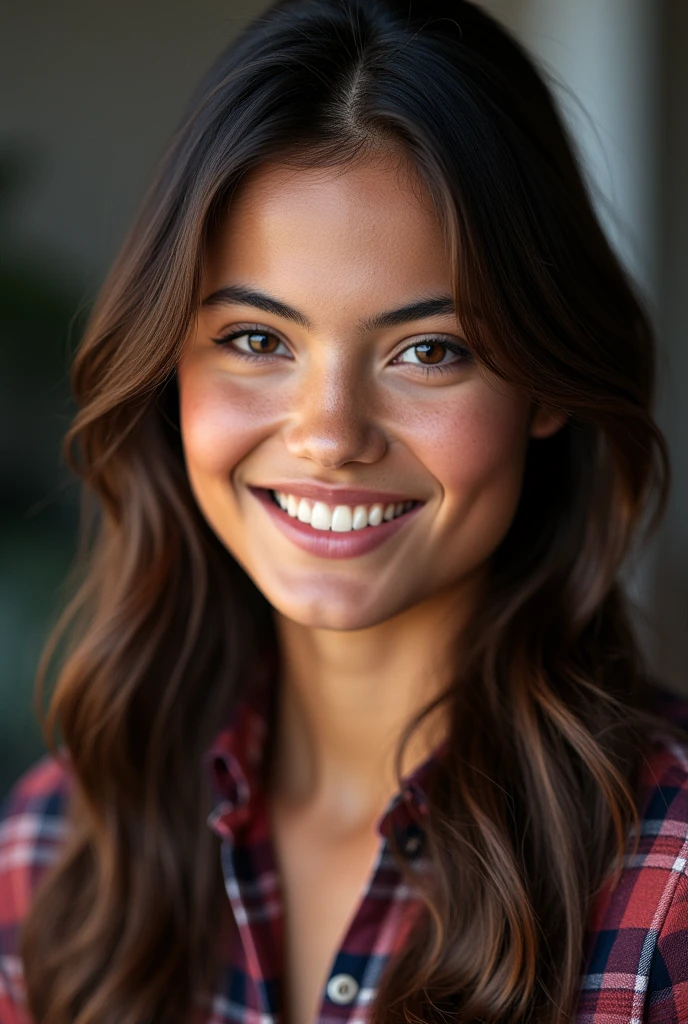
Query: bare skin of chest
[(323, 876)]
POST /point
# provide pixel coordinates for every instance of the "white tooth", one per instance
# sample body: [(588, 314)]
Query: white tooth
[(304, 512), (375, 515), (292, 506), (342, 519), (360, 517), (389, 512), (283, 500), (398, 508), (321, 516)]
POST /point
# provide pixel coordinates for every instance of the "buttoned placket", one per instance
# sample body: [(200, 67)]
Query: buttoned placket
[(378, 926), (251, 990)]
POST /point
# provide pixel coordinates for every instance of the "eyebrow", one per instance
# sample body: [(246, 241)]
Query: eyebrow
[(440, 305)]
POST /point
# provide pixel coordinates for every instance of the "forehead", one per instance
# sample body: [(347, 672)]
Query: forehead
[(365, 230)]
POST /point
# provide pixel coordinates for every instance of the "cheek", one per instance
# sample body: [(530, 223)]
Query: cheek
[(221, 421), (475, 442)]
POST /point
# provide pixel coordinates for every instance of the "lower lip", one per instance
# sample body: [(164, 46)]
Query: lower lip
[(326, 543)]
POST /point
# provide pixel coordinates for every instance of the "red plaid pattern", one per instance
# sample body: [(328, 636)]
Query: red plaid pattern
[(636, 949)]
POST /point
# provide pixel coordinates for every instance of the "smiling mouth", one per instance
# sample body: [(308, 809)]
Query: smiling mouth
[(340, 518)]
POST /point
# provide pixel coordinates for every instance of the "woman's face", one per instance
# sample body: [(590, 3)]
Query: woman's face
[(328, 372)]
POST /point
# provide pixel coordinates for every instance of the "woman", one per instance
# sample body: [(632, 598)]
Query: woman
[(365, 409)]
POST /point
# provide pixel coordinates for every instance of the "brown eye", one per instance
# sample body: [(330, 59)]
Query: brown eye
[(430, 352), (435, 354), (260, 342), (253, 343)]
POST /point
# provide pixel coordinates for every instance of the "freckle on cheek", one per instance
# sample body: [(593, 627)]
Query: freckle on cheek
[(465, 447)]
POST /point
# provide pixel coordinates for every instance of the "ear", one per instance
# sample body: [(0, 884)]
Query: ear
[(546, 421)]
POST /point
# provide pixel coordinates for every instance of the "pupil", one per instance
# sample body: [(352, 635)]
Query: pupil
[(261, 342), (430, 352)]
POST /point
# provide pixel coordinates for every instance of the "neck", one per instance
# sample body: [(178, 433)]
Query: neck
[(346, 699)]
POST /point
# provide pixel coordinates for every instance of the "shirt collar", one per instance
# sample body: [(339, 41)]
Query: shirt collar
[(235, 762), (235, 759)]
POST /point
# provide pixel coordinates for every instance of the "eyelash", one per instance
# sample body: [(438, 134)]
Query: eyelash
[(251, 357), (429, 370)]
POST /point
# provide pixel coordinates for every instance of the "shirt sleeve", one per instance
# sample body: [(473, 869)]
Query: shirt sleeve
[(667, 995), (10, 964), (32, 829), (10, 1011)]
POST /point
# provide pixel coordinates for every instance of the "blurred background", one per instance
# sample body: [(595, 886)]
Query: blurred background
[(90, 93)]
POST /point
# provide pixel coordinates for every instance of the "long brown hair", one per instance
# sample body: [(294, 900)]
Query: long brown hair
[(538, 793)]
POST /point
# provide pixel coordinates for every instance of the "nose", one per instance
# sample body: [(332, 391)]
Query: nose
[(333, 421)]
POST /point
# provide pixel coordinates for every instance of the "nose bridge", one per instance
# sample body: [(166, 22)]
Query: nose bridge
[(333, 419), (337, 394)]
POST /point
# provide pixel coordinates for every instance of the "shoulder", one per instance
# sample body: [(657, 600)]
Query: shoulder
[(33, 828), (637, 942)]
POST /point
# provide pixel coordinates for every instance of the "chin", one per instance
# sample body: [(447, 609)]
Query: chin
[(335, 612), (348, 621)]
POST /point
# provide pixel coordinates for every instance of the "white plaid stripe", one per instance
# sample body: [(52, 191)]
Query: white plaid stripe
[(29, 827), (12, 978), (223, 1010)]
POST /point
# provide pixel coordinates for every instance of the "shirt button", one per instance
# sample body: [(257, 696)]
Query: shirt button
[(412, 845), (411, 840), (342, 989)]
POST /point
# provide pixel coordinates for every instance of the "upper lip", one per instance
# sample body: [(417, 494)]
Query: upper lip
[(339, 495)]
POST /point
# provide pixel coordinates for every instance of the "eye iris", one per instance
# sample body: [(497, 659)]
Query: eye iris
[(261, 342), (430, 352)]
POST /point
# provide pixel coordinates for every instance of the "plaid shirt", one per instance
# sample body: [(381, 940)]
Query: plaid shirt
[(636, 947)]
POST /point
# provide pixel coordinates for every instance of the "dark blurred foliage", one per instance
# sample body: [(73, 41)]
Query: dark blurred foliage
[(40, 317)]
